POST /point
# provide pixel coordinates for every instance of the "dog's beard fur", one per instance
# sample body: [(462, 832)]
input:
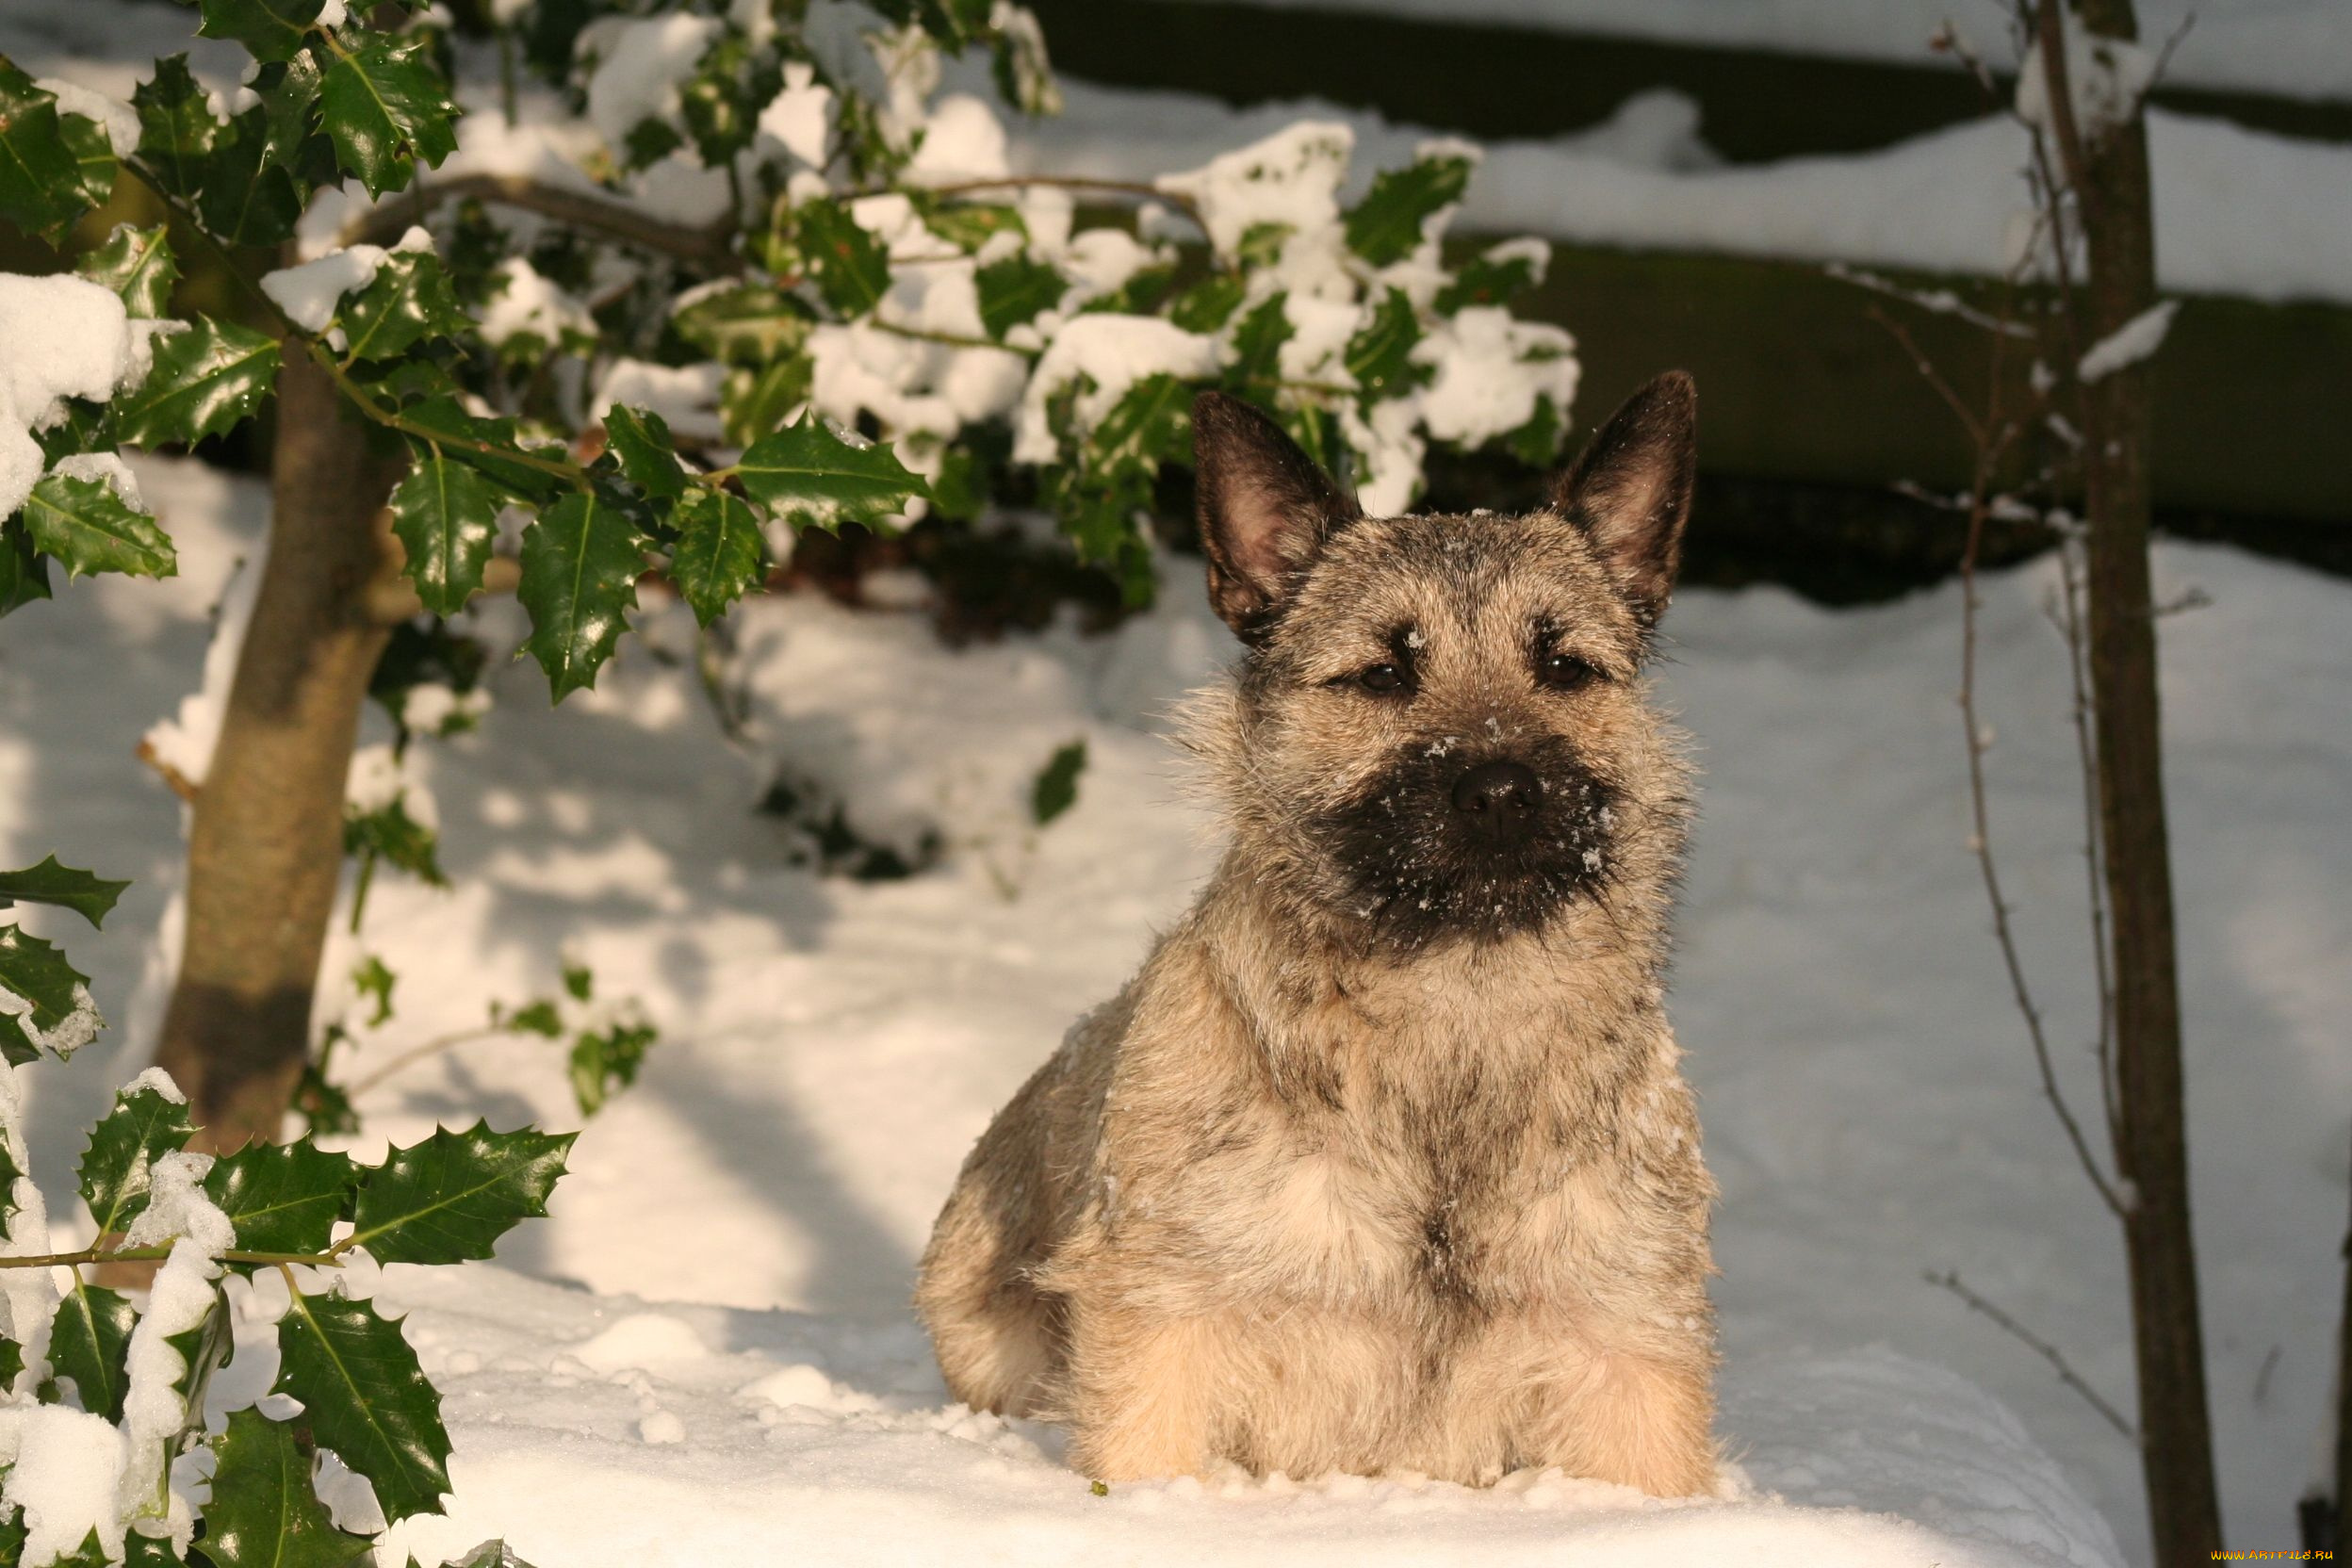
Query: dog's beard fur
[(1418, 872)]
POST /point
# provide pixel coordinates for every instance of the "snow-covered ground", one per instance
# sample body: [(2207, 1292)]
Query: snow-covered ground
[(2299, 47), (831, 1048)]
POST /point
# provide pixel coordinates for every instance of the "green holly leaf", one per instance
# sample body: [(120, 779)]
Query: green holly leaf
[(721, 102), (605, 1062), (409, 300), (716, 559), (813, 479), (446, 515), (87, 895), (176, 130), (364, 1397), (88, 1338), (146, 1551), (1380, 356), (1056, 787), (1013, 291), (11, 1363), (1495, 276), (373, 979), (453, 1195), (1537, 443), (264, 1511), (83, 523), (114, 1174), (389, 834), (202, 1351), (459, 433), (281, 1196), (1385, 226), (38, 973), (1150, 425), (269, 29), (250, 196), (749, 326), (969, 225), (386, 106), (1208, 305), (753, 403), (93, 158), (851, 267), (137, 264), (640, 443), (1257, 343), (581, 559), (41, 184), (208, 377), (24, 570), (89, 1554)]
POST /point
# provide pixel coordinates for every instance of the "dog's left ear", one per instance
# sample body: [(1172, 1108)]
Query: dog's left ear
[(1266, 510), (1630, 488)]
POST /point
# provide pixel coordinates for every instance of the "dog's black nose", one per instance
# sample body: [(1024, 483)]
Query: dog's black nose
[(1500, 796)]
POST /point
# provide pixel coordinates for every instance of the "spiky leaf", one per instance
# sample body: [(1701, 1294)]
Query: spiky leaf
[(605, 1061), (812, 477), (581, 559), (38, 973), (1494, 277), (281, 1196), (85, 525), (85, 893), (364, 1397), (1014, 290), (1150, 425), (446, 515), (1380, 356), (1385, 226), (453, 1195), (207, 378), (177, 129), (24, 570), (113, 1176), (269, 29), (88, 1338), (1258, 339), (716, 559), (753, 403), (137, 264), (386, 106), (409, 302), (852, 268), (94, 164), (251, 196), (41, 184), (479, 442), (640, 442), (264, 1512), (1056, 787), (148, 1551), (750, 325)]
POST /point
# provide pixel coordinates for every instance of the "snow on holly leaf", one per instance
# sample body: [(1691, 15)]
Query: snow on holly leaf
[(384, 107), (811, 478), (263, 1512), (147, 1122), (207, 377), (87, 894), (282, 1198), (453, 1195), (37, 984), (580, 561), (42, 187), (1386, 227), (364, 1397), (445, 516), (84, 524), (409, 300)]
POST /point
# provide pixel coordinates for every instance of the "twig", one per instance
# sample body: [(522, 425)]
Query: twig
[(710, 246), (1950, 1279), (1941, 302), (418, 1053), (1135, 189), (178, 782), (2072, 628), (332, 1258)]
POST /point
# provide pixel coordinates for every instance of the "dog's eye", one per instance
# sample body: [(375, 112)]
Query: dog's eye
[(1563, 672), (1381, 677)]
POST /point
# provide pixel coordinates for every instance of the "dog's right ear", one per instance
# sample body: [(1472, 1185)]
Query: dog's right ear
[(1266, 510)]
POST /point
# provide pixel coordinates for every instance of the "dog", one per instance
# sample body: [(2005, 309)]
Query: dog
[(1383, 1161)]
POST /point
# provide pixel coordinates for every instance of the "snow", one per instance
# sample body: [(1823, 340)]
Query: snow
[(310, 291), (29, 1296), (59, 337), (963, 139), (2106, 78), (61, 1466), (526, 301), (829, 1049), (1490, 369), (116, 118), (109, 466), (800, 117), (154, 1412), (686, 396), (1114, 351), (2129, 344), (640, 66)]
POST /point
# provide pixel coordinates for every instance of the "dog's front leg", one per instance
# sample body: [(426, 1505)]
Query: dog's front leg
[(1144, 1394), (1633, 1416)]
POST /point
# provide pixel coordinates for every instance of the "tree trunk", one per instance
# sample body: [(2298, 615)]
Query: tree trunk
[(2110, 174), (265, 849)]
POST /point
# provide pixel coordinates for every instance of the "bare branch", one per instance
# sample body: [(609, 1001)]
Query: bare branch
[(1950, 1279), (711, 247), (1941, 301), (2087, 755)]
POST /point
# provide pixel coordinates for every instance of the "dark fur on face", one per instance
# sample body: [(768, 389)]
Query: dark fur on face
[(1441, 732)]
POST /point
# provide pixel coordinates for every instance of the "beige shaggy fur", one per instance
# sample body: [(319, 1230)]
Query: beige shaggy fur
[(1361, 1173)]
